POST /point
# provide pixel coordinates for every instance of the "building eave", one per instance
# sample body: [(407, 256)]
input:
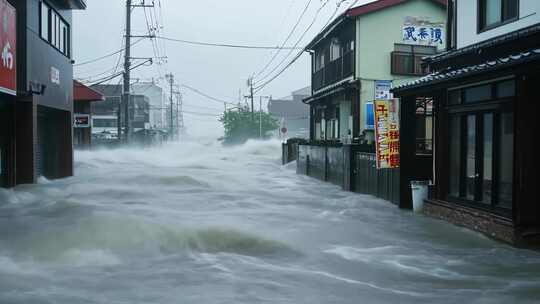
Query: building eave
[(449, 74)]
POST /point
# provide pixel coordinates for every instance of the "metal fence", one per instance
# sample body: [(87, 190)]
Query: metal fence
[(383, 183)]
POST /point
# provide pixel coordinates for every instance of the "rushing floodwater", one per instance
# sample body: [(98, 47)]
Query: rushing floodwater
[(199, 223)]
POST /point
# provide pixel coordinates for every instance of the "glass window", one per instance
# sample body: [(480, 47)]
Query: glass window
[(506, 160), (455, 155), (480, 93), (62, 37), (510, 9), (44, 24), (494, 12), (471, 172), (506, 89), (487, 183), (454, 97), (493, 9)]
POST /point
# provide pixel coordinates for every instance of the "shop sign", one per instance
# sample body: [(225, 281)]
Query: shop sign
[(81, 120), (382, 89), (387, 133), (423, 32), (8, 48)]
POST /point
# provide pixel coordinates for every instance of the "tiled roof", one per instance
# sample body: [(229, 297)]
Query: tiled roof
[(449, 73), (380, 5)]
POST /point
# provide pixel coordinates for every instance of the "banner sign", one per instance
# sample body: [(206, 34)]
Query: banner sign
[(382, 89), (8, 48), (423, 32), (387, 133), (81, 120)]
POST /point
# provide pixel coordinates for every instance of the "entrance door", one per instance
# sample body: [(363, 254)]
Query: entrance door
[(481, 158)]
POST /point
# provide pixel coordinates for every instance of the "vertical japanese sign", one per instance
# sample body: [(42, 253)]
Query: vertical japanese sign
[(387, 133), (423, 32), (8, 44)]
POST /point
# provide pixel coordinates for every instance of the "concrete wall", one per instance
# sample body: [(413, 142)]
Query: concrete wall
[(376, 35), (467, 22)]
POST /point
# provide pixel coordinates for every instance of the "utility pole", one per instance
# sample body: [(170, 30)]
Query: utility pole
[(170, 77), (260, 117), (180, 114), (127, 66), (251, 97)]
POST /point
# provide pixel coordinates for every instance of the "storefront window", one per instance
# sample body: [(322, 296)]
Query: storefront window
[(481, 145), (471, 173), (506, 159), (487, 183), (455, 157)]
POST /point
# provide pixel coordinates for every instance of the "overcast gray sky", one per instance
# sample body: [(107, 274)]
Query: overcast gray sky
[(219, 72)]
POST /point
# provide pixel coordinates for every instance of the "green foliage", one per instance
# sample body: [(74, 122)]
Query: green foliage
[(240, 125)]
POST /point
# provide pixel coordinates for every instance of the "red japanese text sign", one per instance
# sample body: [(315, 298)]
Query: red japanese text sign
[(8, 48), (387, 133)]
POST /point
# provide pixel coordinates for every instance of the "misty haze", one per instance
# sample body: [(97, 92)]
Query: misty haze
[(286, 151)]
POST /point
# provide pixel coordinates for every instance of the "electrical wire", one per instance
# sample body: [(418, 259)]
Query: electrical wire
[(261, 86), (285, 41), (109, 78), (106, 56), (207, 96), (295, 45), (226, 45)]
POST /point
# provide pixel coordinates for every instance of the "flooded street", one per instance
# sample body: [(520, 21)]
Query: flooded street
[(199, 223)]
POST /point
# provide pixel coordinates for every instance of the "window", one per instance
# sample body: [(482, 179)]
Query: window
[(319, 61), (424, 125), (493, 13), (335, 50), (481, 145), (407, 59), (54, 29), (500, 90), (44, 24)]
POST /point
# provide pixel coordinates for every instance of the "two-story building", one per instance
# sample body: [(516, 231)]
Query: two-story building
[(36, 89), (106, 121), (357, 59), (485, 104)]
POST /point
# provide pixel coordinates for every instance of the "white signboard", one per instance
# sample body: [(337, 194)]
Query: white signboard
[(423, 32), (55, 75), (382, 89)]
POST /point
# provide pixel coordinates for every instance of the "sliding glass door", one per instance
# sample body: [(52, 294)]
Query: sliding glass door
[(481, 147)]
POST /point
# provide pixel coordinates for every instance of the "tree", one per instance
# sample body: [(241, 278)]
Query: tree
[(240, 125)]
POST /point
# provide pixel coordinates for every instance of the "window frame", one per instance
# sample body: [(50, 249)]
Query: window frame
[(497, 106), (58, 29), (481, 15), (414, 52)]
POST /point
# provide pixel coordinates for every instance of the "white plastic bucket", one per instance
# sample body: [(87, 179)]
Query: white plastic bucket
[(419, 194)]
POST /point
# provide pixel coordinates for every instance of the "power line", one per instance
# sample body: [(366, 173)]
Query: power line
[(109, 78), (202, 114), (206, 95), (285, 41), (296, 44), (226, 45), (260, 87), (106, 56)]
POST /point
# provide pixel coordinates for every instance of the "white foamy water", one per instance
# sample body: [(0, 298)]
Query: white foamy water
[(195, 222)]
